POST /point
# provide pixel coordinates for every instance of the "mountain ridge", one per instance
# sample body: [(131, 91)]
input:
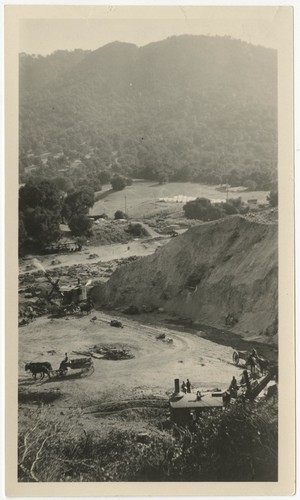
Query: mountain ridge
[(203, 105)]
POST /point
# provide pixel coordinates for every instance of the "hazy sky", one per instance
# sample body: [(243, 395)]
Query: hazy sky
[(76, 28)]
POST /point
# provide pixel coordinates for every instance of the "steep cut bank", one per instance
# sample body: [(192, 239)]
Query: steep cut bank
[(221, 273)]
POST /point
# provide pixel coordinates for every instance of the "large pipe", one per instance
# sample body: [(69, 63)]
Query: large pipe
[(177, 389)]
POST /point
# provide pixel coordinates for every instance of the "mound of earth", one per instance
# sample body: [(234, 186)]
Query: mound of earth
[(113, 351), (222, 273)]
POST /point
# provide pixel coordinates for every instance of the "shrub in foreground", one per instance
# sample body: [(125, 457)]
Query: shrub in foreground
[(238, 444)]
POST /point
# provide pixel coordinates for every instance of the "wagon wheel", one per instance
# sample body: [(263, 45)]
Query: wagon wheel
[(89, 370), (235, 358)]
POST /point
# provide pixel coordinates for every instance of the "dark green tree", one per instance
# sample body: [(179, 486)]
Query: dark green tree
[(64, 184), (77, 203), (104, 177), (39, 212), (80, 225), (41, 225), (202, 209), (40, 194), (118, 182), (120, 215)]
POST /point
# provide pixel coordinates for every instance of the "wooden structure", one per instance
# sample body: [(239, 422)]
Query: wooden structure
[(72, 294), (185, 408), (254, 390)]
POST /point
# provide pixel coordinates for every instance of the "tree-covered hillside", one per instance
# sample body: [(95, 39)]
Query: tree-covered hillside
[(191, 107)]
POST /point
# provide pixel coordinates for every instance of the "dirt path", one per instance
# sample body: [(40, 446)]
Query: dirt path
[(104, 253)]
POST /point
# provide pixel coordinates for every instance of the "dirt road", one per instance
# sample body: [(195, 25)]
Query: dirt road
[(105, 253)]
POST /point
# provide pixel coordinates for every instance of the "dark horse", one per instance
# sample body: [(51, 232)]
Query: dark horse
[(35, 368)]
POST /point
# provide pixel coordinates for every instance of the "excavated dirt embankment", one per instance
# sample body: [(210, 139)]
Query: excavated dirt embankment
[(221, 273)]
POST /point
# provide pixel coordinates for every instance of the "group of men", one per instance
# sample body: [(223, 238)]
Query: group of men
[(186, 386), (252, 361)]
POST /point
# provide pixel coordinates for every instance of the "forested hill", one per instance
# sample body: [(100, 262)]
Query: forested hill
[(193, 107)]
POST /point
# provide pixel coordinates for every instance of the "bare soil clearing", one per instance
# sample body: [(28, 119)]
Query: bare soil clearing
[(128, 394), (142, 198), (150, 372)]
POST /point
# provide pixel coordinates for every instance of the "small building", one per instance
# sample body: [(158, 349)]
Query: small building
[(73, 294), (185, 408)]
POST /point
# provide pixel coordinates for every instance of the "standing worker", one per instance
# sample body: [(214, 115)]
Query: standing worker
[(233, 387), (188, 386), (183, 387), (63, 364), (254, 353)]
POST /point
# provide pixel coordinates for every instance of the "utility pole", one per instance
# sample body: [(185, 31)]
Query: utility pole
[(125, 205)]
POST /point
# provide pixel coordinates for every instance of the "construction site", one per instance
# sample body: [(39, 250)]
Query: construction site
[(149, 342)]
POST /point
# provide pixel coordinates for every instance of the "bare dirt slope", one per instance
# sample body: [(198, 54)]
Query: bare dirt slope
[(221, 273)]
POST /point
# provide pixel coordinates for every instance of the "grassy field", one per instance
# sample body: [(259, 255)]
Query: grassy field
[(142, 198)]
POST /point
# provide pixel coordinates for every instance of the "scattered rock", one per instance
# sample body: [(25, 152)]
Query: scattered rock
[(116, 323)]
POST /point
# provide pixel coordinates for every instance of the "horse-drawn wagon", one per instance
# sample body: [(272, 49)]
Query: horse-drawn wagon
[(85, 365), (240, 355), (250, 360), (82, 366)]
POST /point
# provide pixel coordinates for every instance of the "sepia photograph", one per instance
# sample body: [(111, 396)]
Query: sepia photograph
[(149, 164)]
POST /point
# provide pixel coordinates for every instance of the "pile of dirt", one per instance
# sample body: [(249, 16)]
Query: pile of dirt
[(116, 231), (115, 352), (215, 272)]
